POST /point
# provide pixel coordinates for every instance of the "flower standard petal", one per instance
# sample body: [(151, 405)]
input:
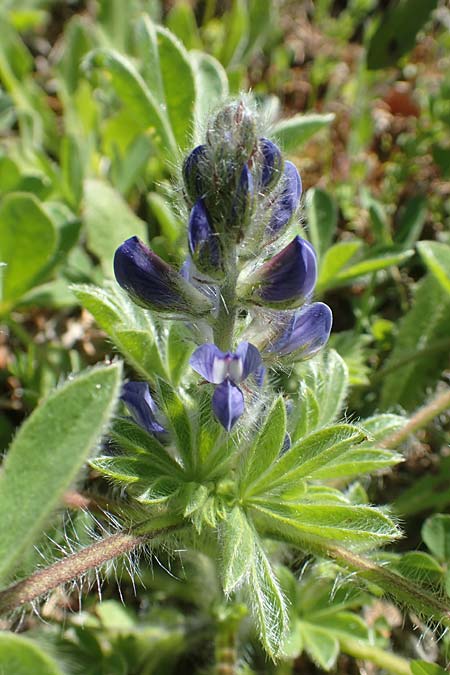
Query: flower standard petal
[(228, 404), (284, 281), (210, 362), (154, 284), (307, 332), (251, 359), (288, 199), (139, 401)]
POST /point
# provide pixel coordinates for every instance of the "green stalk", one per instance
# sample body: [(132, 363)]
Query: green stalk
[(419, 420), (361, 650), (77, 564), (224, 325), (400, 589)]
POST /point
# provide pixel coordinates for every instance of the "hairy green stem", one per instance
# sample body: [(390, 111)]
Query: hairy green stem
[(419, 420), (361, 650), (77, 564), (224, 325), (394, 585)]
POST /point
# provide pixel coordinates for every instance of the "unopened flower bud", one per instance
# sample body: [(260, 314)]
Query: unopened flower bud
[(282, 282), (232, 133), (304, 333), (154, 284), (197, 173), (287, 201), (272, 163), (204, 242)]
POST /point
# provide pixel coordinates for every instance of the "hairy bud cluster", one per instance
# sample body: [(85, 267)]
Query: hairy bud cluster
[(242, 198)]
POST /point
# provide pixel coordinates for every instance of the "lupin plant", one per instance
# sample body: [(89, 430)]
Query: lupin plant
[(211, 456)]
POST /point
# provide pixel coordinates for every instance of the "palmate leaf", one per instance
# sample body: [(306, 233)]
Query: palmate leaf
[(360, 527), (306, 457)]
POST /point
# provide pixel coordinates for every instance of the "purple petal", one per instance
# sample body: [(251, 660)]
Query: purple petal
[(307, 332), (250, 359), (153, 284), (242, 200), (286, 280), (228, 404), (286, 203), (194, 168), (204, 243), (210, 362), (137, 398), (272, 162)]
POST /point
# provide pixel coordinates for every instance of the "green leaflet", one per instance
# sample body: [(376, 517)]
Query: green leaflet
[(179, 422), (130, 327), (267, 446), (426, 668), (180, 100), (327, 377), (134, 94), (22, 656), (135, 440), (297, 130), (109, 221), (337, 268), (306, 413), (28, 241), (436, 535), (307, 456), (360, 527), (267, 602), (47, 454), (212, 86), (322, 647), (237, 549), (437, 258), (396, 33), (322, 219), (421, 345)]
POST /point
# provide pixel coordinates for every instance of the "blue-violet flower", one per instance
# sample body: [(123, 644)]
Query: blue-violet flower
[(226, 370), (306, 332)]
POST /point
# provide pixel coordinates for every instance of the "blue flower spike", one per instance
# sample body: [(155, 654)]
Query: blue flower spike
[(226, 370), (139, 401), (288, 199), (153, 284), (304, 335), (284, 281)]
